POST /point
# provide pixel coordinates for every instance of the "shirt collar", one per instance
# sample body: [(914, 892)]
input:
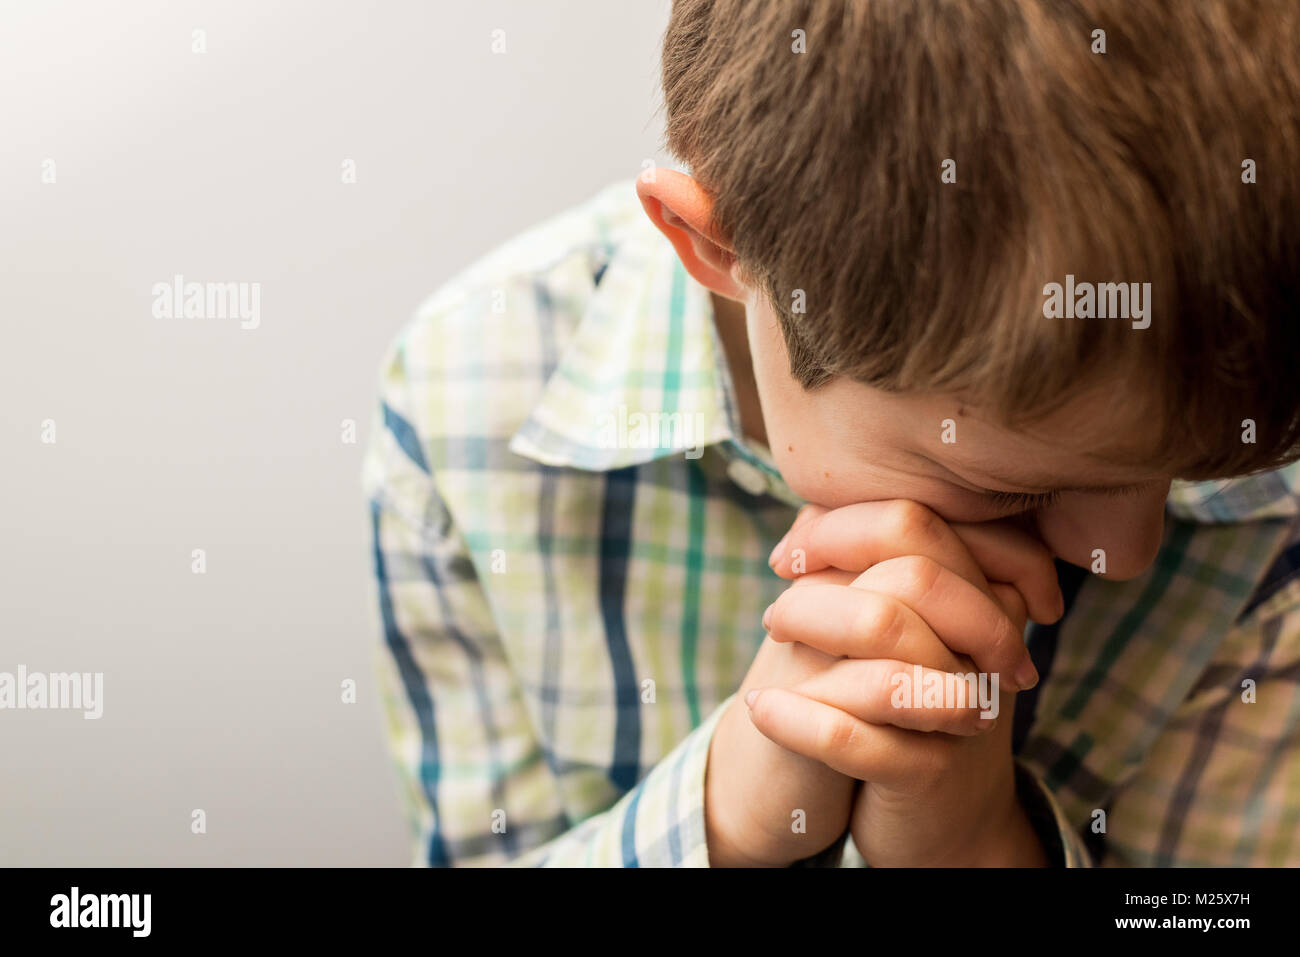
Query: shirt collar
[(1246, 498), (645, 377)]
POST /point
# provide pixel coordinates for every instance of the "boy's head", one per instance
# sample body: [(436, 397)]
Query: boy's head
[(891, 187)]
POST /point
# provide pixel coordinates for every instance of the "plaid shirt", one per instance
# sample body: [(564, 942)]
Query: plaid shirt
[(570, 541)]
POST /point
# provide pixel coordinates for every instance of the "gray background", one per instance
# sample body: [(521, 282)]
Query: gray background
[(222, 690)]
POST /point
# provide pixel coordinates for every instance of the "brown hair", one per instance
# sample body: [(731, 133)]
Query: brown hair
[(1123, 166)]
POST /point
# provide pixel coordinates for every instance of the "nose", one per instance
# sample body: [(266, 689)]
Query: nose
[(1113, 537)]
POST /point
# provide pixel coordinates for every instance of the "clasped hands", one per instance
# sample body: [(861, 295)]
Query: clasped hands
[(826, 733)]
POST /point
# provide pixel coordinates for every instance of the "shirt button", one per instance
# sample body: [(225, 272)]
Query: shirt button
[(747, 476)]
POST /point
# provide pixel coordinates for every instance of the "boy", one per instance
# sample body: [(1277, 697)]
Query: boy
[(993, 291)]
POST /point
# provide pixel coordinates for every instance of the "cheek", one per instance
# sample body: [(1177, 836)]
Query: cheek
[(795, 434), (818, 472), (807, 445), (1124, 534), (811, 477), (803, 462), (812, 460), (808, 433)]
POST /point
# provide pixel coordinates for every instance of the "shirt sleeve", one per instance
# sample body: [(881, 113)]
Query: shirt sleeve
[(1063, 846), (477, 786)]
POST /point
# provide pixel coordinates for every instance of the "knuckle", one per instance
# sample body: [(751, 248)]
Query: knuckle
[(835, 733), (911, 522), (879, 620), (922, 574), (892, 625)]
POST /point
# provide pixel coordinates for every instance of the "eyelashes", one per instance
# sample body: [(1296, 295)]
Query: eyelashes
[(1024, 501)]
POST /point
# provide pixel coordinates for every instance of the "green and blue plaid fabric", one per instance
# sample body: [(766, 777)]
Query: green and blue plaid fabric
[(570, 543)]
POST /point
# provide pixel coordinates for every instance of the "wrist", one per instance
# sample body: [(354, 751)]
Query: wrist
[(732, 839), (724, 851), (1009, 841), (996, 832)]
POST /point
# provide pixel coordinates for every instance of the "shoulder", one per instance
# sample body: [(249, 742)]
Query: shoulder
[(470, 365), (477, 353)]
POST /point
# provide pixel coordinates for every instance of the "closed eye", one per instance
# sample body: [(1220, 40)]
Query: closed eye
[(1024, 501)]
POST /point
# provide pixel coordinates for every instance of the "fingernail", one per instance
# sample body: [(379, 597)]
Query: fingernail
[(777, 551), (749, 698), (767, 617), (1026, 675)]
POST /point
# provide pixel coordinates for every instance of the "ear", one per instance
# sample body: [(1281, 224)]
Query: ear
[(681, 210)]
